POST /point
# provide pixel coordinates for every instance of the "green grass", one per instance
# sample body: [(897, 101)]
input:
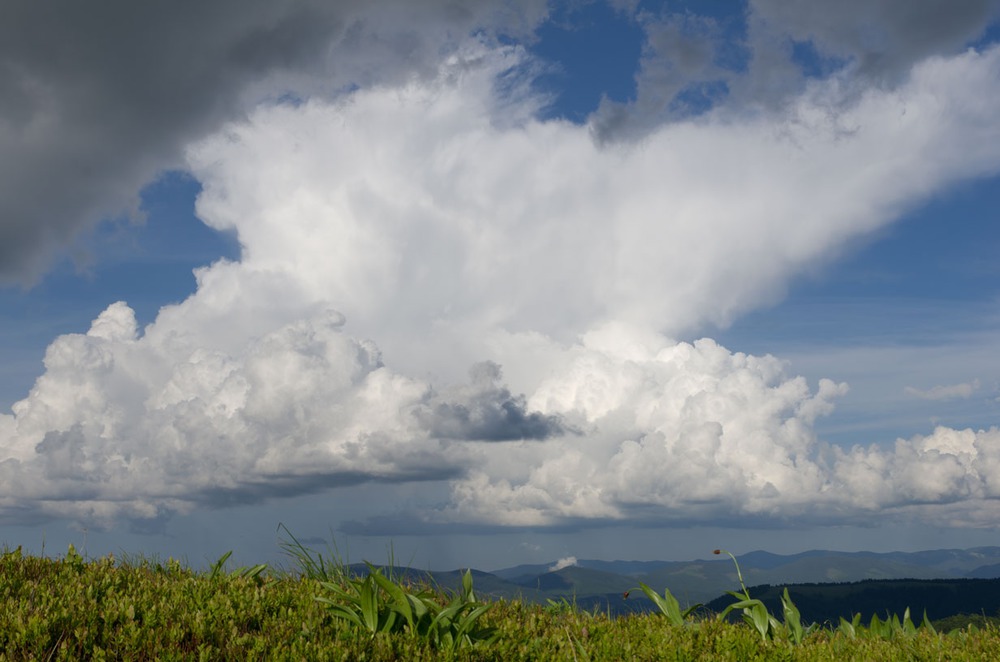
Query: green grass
[(73, 608)]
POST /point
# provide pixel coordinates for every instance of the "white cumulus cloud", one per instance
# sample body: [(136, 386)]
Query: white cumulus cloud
[(567, 562), (399, 236)]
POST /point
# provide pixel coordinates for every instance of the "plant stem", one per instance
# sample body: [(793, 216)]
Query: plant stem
[(739, 574)]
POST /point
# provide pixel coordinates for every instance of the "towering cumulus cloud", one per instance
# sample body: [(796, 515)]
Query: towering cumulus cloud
[(437, 285)]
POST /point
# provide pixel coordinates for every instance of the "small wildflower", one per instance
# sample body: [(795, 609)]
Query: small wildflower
[(717, 551), (625, 595)]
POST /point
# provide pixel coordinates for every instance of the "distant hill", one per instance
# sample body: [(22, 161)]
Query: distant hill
[(593, 584), (985, 571), (702, 580)]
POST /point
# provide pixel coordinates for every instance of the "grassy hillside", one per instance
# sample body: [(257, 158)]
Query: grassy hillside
[(72, 608)]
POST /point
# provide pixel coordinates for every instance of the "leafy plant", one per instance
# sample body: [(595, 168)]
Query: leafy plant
[(851, 628), (73, 558), (457, 623), (250, 572), (793, 620), (889, 629), (667, 604), (359, 603), (756, 614), (376, 603)]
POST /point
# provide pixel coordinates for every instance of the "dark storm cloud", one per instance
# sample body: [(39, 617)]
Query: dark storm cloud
[(681, 55), (292, 485), (692, 63), (81, 478), (487, 412), (886, 37), (97, 99)]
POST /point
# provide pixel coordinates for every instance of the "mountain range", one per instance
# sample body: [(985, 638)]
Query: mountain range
[(595, 584)]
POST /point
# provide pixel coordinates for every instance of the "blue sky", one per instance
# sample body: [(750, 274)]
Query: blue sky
[(539, 280)]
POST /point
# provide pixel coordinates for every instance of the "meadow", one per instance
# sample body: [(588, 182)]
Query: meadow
[(73, 608)]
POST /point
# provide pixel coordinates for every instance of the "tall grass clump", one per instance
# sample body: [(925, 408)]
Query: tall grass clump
[(374, 603), (311, 564)]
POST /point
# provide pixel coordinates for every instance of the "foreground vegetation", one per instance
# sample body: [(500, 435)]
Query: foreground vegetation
[(75, 608)]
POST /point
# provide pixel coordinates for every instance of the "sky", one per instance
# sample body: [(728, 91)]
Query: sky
[(503, 282)]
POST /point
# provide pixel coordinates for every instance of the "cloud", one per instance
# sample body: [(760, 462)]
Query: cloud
[(687, 434), (691, 63), (487, 412), (947, 478), (683, 434), (567, 562), (669, 431), (882, 39), (96, 104), (395, 235), (123, 426), (685, 69), (950, 392), (425, 230)]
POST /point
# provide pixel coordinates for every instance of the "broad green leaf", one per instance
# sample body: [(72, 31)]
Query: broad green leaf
[(793, 619), (400, 603), (848, 628), (217, 566), (927, 625), (467, 586), (908, 625), (760, 618), (667, 604), (339, 611), (369, 604)]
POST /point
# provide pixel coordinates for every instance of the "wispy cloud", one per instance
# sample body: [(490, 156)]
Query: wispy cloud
[(949, 392)]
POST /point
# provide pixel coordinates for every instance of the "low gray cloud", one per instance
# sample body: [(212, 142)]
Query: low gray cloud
[(417, 523), (281, 486), (487, 411)]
